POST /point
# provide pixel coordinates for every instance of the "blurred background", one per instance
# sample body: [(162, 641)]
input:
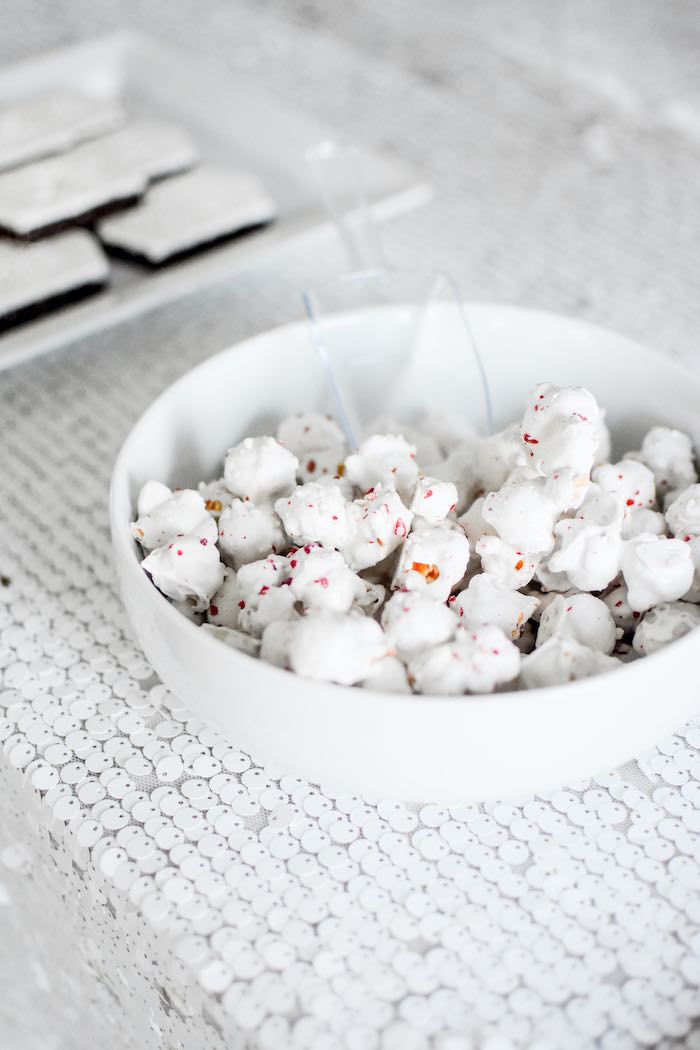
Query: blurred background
[(563, 138)]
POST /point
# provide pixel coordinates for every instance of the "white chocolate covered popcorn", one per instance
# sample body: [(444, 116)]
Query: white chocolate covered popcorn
[(336, 647), (354, 568), (260, 469), (560, 430), (267, 572), (188, 567), (642, 519), (626, 619), (561, 660), (433, 560), (386, 458), (267, 605), (326, 466), (663, 624), (371, 598), (151, 495), (248, 533), (510, 567), (582, 617), (224, 605), (388, 676), (589, 544), (486, 601), (216, 495), (433, 499), (428, 448), (693, 592), (656, 569), (669, 454), (379, 524), (496, 457), (316, 513), (276, 642), (177, 513), (683, 513), (310, 432), (473, 662), (320, 578), (630, 481), (523, 513), (411, 621)]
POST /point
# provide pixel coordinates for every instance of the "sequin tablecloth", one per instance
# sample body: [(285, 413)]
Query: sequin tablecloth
[(158, 887)]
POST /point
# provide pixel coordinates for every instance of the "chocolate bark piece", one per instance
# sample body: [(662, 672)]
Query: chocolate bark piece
[(53, 122), (185, 213), (96, 176), (37, 277)]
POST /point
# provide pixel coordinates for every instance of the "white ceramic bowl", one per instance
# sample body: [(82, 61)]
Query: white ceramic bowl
[(411, 747)]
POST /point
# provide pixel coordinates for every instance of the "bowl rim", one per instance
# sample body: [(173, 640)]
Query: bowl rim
[(125, 548)]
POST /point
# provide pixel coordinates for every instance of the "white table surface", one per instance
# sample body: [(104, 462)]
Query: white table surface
[(234, 906)]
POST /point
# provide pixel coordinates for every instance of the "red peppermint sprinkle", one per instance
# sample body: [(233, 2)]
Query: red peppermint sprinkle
[(264, 589), (241, 605), (428, 494), (530, 440), (293, 563), (214, 610), (204, 541), (322, 580), (630, 502), (179, 553)]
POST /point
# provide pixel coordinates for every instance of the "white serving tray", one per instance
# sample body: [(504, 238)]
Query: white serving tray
[(234, 122)]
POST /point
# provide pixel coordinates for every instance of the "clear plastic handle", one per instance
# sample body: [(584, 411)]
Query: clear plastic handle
[(338, 170), (393, 342), (397, 343)]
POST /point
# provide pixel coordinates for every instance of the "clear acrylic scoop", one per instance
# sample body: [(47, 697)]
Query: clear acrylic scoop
[(393, 342)]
